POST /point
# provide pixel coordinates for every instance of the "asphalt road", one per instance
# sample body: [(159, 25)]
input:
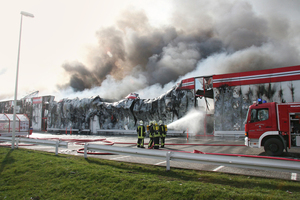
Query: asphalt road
[(203, 144)]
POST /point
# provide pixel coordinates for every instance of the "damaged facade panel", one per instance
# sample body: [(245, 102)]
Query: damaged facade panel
[(230, 108), (40, 111), (234, 93), (94, 113), (204, 96)]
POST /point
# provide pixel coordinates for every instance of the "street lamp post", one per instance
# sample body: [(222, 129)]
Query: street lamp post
[(17, 76)]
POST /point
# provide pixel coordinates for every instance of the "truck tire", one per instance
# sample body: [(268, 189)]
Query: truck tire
[(273, 147)]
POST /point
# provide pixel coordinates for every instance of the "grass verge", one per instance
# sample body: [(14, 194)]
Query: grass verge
[(26, 174)]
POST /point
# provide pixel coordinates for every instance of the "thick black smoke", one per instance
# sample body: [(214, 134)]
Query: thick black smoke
[(81, 77), (205, 37)]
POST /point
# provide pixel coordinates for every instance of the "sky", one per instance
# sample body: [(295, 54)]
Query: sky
[(75, 48)]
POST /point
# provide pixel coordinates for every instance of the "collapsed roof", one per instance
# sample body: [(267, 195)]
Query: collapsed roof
[(123, 114)]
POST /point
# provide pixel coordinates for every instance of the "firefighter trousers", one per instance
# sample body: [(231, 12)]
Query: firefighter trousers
[(150, 145), (162, 142), (156, 142), (140, 142)]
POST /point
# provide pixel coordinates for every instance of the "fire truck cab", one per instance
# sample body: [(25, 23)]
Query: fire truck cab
[(275, 126)]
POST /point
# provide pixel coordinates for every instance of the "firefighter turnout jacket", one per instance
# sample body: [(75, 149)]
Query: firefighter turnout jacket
[(151, 131), (141, 131), (163, 130)]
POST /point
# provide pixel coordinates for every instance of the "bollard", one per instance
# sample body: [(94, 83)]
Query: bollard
[(56, 148), (168, 158), (187, 134), (17, 142), (85, 149)]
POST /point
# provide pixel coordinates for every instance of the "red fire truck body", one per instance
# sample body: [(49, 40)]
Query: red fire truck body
[(275, 126)]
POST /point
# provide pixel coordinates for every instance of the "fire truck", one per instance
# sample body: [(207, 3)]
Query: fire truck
[(275, 126)]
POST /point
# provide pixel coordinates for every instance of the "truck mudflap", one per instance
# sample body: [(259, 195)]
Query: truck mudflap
[(252, 143), (246, 142)]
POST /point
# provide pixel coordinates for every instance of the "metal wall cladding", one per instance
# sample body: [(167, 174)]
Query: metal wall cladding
[(232, 102), (123, 114)]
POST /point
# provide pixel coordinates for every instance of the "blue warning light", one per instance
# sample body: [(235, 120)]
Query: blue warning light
[(259, 101)]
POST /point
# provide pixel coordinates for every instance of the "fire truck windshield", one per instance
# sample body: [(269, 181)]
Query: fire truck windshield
[(263, 114), (245, 122), (259, 115)]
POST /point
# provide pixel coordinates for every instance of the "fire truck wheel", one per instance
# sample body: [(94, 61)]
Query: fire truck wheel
[(273, 147)]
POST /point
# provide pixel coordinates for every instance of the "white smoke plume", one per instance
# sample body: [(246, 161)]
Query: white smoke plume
[(204, 38)]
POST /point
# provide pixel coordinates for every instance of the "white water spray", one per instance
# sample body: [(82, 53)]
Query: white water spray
[(191, 122)]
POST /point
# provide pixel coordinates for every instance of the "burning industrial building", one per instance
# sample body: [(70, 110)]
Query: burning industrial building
[(215, 105), (198, 48)]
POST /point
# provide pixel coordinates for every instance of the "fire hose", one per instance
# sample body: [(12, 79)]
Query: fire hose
[(82, 141)]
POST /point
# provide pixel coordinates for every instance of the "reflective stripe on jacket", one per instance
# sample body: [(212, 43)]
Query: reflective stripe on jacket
[(151, 131), (141, 131)]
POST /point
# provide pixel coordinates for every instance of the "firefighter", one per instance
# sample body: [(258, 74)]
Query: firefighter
[(163, 133), (151, 135), (156, 135), (141, 134)]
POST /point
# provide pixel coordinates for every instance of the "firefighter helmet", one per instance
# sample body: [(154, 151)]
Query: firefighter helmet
[(160, 122), (141, 122)]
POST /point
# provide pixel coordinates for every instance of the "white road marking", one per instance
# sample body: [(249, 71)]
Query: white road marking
[(220, 167), (160, 163), (294, 176), (119, 157)]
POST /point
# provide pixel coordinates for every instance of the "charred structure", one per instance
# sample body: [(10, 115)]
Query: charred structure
[(123, 114), (82, 114), (223, 100)]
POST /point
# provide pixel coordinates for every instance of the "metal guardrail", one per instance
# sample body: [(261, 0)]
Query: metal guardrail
[(133, 132), (7, 139), (110, 131), (232, 161), (62, 129), (236, 134), (56, 144)]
